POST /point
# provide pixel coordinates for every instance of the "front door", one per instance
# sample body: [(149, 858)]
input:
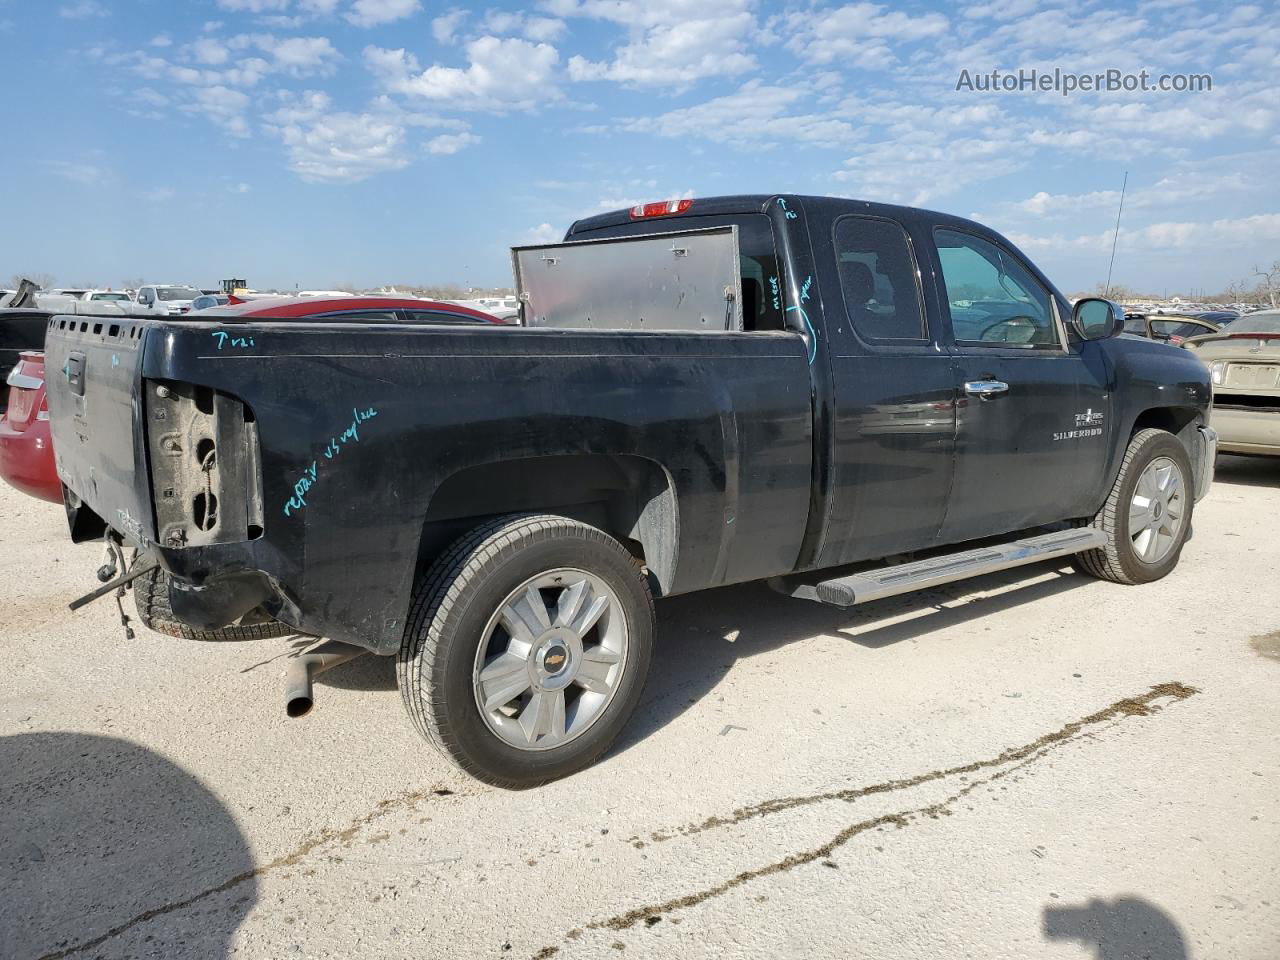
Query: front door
[(1031, 410)]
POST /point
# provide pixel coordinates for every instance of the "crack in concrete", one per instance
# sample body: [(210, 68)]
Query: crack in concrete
[(330, 836), (1012, 759), (1133, 706)]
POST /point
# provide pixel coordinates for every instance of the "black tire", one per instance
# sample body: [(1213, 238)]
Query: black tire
[(151, 598), (1118, 561), (452, 604)]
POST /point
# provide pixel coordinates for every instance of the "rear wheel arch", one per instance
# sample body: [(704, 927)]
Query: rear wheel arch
[(631, 498)]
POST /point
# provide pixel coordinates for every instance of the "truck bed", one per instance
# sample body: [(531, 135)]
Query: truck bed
[(343, 455)]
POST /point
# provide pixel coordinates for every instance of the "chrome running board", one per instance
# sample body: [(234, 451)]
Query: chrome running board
[(935, 571)]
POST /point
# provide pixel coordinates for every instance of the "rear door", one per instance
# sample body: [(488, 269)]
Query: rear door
[(1032, 408), (894, 420)]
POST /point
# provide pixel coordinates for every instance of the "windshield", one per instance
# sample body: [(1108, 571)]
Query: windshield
[(109, 296), (1268, 322), (177, 293)]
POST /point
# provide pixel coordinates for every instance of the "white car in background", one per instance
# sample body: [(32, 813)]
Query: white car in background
[(167, 299), (98, 302)]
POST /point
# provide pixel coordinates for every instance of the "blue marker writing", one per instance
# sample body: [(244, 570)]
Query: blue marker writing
[(224, 339), (300, 488), (309, 476), (813, 334)]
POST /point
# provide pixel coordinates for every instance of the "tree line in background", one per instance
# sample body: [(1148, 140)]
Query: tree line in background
[(1262, 288)]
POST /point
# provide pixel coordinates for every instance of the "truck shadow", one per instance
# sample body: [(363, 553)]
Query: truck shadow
[(701, 636), (97, 834), (1119, 929), (1247, 471)]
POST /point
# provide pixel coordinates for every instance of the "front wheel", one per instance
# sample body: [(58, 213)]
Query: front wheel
[(527, 649), (1147, 516)]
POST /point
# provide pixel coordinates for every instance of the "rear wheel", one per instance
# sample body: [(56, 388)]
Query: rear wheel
[(1147, 516), (151, 597), (527, 649)]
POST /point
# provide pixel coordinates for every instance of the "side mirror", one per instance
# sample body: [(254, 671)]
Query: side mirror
[(1096, 319)]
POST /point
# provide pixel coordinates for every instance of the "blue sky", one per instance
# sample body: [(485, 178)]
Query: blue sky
[(321, 142)]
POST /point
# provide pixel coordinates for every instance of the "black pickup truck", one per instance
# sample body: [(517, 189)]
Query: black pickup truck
[(904, 400)]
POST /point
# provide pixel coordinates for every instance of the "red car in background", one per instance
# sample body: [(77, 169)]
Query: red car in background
[(26, 449)]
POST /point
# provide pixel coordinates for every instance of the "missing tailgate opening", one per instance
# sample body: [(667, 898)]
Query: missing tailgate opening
[(206, 475)]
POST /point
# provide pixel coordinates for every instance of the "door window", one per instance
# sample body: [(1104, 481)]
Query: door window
[(994, 299), (879, 280)]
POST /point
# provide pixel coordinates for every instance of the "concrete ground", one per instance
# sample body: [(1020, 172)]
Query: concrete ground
[(1028, 765)]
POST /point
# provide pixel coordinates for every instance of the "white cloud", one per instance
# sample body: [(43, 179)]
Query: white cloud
[(337, 147), (223, 106), (152, 98), (161, 40), (301, 56), (449, 143), (502, 74), (254, 6), (915, 172), (673, 43), (372, 13), (858, 34), (84, 173), (445, 27), (241, 188), (210, 51), (1243, 233), (543, 233), (83, 10), (757, 113), (532, 28)]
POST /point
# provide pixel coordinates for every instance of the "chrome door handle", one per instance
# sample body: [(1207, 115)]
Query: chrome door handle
[(985, 388)]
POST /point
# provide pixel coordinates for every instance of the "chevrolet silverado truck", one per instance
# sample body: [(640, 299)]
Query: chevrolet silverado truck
[(847, 400)]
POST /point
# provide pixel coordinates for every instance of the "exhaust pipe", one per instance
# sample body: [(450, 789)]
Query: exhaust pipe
[(304, 668)]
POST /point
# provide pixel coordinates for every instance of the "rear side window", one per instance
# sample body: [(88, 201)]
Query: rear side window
[(994, 299), (879, 280), (439, 316), (351, 316), (1178, 328), (757, 260)]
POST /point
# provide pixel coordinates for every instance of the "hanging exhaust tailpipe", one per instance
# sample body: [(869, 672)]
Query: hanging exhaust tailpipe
[(304, 668)]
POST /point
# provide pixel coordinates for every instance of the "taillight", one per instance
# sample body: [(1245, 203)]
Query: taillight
[(663, 208)]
